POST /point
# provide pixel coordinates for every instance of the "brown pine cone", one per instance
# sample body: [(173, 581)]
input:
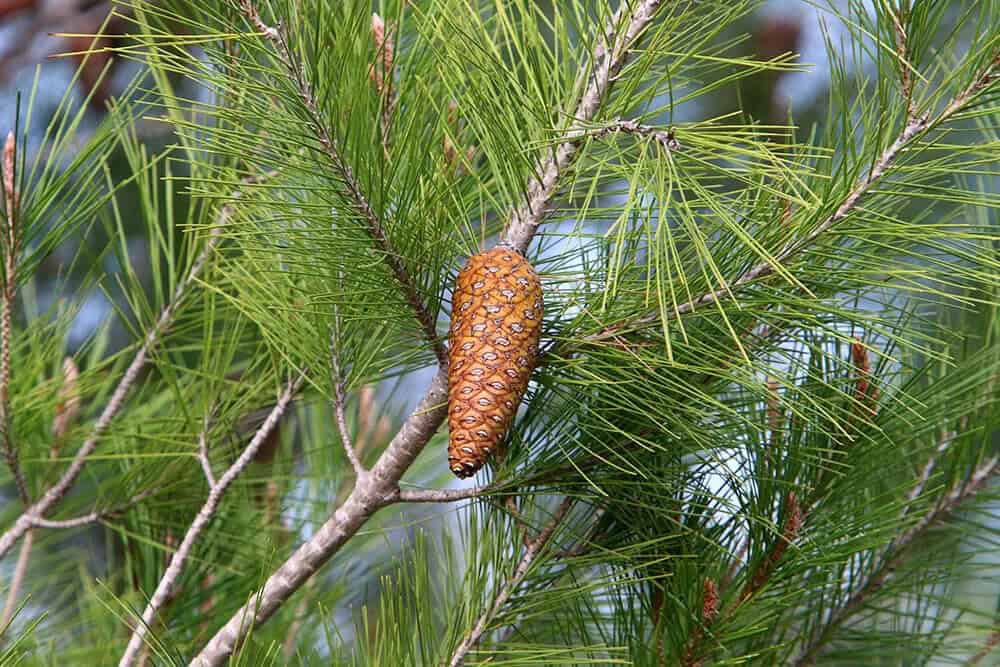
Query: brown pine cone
[(496, 322)]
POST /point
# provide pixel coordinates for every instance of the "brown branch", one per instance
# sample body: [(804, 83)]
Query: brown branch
[(382, 75), (532, 549), (611, 56), (926, 472), (584, 544), (94, 516), (55, 493), (20, 571), (761, 575), (12, 243), (169, 580), (665, 138), (892, 558), (737, 563), (790, 530), (340, 412), (443, 495), (23, 558), (709, 611), (905, 77), (381, 486), (988, 647), (373, 223), (206, 463), (366, 498)]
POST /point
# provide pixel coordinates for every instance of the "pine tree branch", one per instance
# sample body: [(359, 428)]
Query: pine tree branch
[(764, 570), (709, 612), (23, 558), (610, 57), (914, 128), (8, 164), (169, 580), (790, 530), (893, 557), (665, 139), (442, 495), (382, 74), (36, 512), (340, 412), (206, 463), (905, 77), (94, 516), (366, 498), (926, 472), (373, 223), (381, 487), (20, 571), (988, 647), (533, 548)]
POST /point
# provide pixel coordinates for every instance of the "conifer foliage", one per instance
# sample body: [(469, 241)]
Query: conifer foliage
[(726, 380)]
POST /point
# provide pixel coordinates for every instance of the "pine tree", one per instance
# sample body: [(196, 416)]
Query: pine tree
[(763, 422)]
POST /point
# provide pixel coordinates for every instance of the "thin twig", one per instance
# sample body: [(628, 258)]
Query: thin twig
[(988, 647), (12, 243), (926, 471), (361, 504), (709, 612), (789, 532), (56, 492), (443, 495), (914, 127), (373, 223), (758, 580), (664, 138), (871, 584), (206, 463), (340, 412), (170, 578), (382, 484), (737, 563), (20, 570), (382, 74), (584, 544), (96, 515), (611, 56), (532, 549), (905, 78)]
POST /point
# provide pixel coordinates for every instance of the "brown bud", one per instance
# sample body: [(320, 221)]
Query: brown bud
[(450, 150), (859, 355), (495, 328), (773, 404), (864, 391), (793, 518), (710, 601), (7, 172), (789, 532), (68, 401), (385, 52)]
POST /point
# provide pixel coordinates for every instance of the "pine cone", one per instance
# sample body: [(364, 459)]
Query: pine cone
[(496, 322)]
